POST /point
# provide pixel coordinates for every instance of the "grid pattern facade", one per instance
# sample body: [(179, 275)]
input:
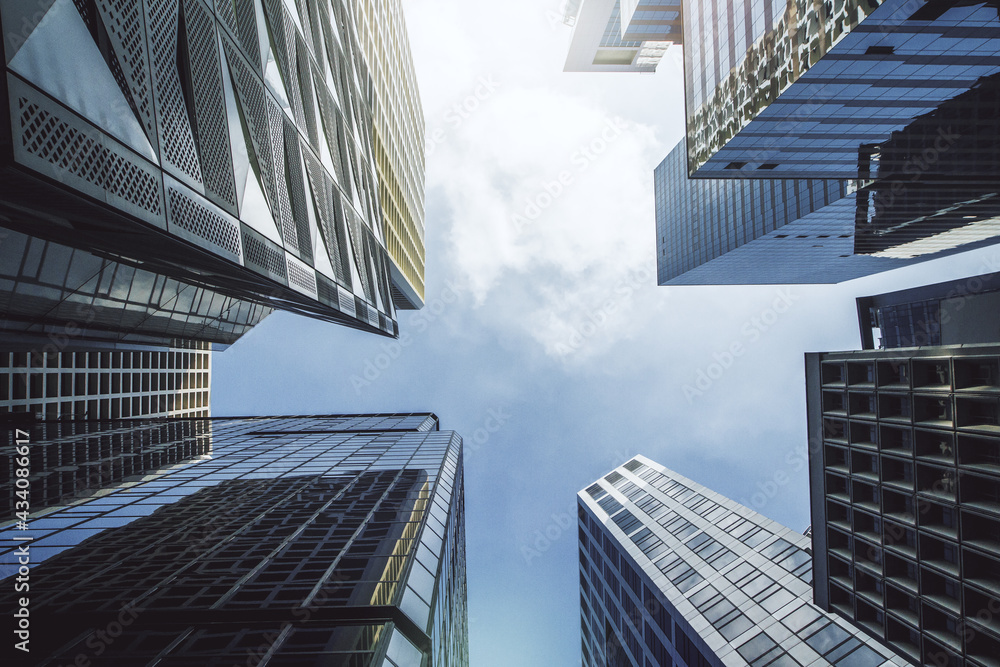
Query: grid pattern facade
[(809, 88), (299, 541), (398, 142), (108, 384), (51, 294), (652, 20), (674, 574), (78, 459), (905, 492), (236, 138), (755, 231)]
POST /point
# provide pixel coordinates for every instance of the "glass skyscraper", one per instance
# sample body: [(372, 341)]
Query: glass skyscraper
[(398, 121), (957, 312), (904, 466), (108, 384), (897, 98), (805, 92), (755, 230), (269, 540), (222, 151), (672, 573)]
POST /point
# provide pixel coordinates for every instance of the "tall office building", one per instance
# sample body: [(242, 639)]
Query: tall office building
[(956, 312), (108, 384), (621, 35), (755, 230), (672, 573), (897, 97), (398, 142), (813, 93), (904, 468), (53, 296), (296, 541), (226, 146)]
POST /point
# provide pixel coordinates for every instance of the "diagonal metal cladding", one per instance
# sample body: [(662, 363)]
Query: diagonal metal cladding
[(211, 126), (328, 116), (361, 258), (330, 223), (282, 204), (176, 137), (297, 191), (253, 112), (126, 32)]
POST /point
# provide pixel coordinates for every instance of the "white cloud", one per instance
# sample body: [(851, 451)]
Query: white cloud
[(549, 188)]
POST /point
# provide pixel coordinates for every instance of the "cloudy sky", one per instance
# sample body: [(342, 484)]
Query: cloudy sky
[(545, 341)]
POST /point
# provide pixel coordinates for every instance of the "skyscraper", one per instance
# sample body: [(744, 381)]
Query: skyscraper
[(298, 540), (398, 142), (755, 230), (108, 384), (675, 574), (226, 146), (814, 93), (621, 35), (896, 98), (904, 468)]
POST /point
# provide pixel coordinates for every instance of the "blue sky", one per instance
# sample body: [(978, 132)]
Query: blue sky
[(545, 342)]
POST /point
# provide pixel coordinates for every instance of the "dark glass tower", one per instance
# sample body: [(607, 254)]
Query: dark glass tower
[(904, 465), (755, 230), (672, 573), (957, 312), (897, 97), (280, 541)]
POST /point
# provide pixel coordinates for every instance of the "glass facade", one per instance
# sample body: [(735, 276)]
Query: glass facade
[(808, 87), (275, 540), (672, 573), (234, 138), (957, 312), (754, 230), (904, 465), (108, 384), (398, 142), (53, 296)]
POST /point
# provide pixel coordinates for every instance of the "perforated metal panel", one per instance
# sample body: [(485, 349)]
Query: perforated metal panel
[(355, 231), (297, 192), (54, 141), (201, 224), (250, 93), (300, 276), (211, 127), (331, 227), (281, 205), (306, 74), (126, 31), (263, 256), (174, 127), (312, 156)]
